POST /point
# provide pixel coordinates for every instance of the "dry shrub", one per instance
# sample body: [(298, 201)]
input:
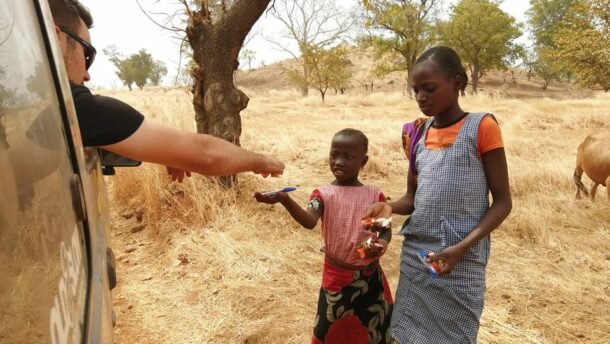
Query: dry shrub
[(213, 266)]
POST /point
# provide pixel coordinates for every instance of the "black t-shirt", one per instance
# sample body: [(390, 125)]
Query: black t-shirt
[(103, 120)]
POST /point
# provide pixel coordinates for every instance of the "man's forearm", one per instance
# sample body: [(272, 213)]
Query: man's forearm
[(200, 153), (217, 157)]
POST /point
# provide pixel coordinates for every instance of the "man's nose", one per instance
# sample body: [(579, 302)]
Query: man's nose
[(87, 76)]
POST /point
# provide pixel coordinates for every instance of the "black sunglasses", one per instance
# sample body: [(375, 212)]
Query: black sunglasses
[(89, 49)]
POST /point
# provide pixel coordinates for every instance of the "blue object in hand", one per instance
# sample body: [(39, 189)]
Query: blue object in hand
[(273, 193), (422, 256)]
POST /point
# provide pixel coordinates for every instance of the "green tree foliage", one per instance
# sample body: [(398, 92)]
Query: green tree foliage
[(125, 70), (310, 23), (540, 63), (405, 29), (329, 68), (482, 34), (139, 68), (583, 42), (158, 72), (142, 63), (545, 18)]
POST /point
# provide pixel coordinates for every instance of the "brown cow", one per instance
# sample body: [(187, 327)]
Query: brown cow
[(594, 159)]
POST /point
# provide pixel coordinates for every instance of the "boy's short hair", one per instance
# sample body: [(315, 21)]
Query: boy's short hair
[(68, 13), (356, 134)]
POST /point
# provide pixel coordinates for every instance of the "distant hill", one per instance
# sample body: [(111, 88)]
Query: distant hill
[(510, 83)]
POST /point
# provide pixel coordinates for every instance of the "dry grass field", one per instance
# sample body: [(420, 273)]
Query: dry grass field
[(197, 264)]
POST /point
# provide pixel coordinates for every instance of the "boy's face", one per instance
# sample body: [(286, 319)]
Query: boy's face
[(346, 157), (434, 91)]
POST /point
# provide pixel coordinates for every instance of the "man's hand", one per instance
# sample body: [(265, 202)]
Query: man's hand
[(269, 165), (177, 174)]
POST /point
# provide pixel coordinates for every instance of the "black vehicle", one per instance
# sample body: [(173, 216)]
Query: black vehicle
[(56, 267)]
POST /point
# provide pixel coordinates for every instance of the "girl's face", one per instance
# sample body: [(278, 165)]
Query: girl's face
[(346, 158), (435, 92)]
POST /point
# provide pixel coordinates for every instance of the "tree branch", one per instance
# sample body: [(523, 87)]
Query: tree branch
[(173, 29)]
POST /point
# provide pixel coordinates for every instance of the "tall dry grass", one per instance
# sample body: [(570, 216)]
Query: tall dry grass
[(198, 264)]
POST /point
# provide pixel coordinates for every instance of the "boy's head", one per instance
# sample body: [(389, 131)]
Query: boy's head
[(438, 79), (348, 154)]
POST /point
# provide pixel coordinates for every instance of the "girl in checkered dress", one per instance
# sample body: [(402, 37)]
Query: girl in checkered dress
[(355, 303), (457, 162)]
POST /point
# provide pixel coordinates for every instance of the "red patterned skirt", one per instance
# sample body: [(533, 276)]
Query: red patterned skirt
[(354, 307)]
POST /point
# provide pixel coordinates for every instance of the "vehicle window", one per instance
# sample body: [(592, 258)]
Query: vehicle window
[(43, 262)]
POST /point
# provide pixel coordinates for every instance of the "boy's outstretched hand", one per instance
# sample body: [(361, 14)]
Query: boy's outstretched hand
[(372, 248), (377, 248), (270, 199)]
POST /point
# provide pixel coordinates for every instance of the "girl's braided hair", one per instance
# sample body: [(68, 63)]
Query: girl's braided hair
[(447, 61)]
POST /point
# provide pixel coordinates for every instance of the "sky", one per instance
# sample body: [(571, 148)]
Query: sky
[(121, 23)]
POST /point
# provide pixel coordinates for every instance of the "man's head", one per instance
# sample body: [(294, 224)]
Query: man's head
[(72, 23)]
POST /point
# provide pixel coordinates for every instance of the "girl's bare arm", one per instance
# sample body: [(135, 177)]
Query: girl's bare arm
[(404, 205), (496, 173)]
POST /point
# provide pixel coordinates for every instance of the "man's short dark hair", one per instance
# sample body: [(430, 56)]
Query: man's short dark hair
[(68, 13), (357, 135)]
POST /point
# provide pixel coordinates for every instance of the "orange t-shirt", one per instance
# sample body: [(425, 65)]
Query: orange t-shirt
[(489, 137)]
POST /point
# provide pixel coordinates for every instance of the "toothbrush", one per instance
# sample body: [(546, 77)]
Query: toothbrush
[(422, 256), (273, 193)]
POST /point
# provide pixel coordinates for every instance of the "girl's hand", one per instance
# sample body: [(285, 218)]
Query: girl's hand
[(278, 197), (450, 256), (378, 209)]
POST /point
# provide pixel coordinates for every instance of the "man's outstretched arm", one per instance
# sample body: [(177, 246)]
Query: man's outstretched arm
[(200, 153)]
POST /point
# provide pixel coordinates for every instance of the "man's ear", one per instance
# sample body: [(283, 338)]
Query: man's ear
[(366, 159)]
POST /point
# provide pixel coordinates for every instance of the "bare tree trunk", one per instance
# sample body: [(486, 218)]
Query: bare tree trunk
[(409, 88), (216, 47), (475, 77), (305, 88)]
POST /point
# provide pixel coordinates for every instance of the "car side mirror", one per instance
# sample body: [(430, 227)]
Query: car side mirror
[(111, 160)]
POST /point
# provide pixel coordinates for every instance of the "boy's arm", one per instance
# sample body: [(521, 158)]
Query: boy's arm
[(306, 218)]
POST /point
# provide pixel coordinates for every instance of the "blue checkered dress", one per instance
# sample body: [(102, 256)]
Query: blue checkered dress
[(451, 198)]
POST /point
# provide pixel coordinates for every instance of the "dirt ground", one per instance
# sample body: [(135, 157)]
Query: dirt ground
[(197, 264)]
